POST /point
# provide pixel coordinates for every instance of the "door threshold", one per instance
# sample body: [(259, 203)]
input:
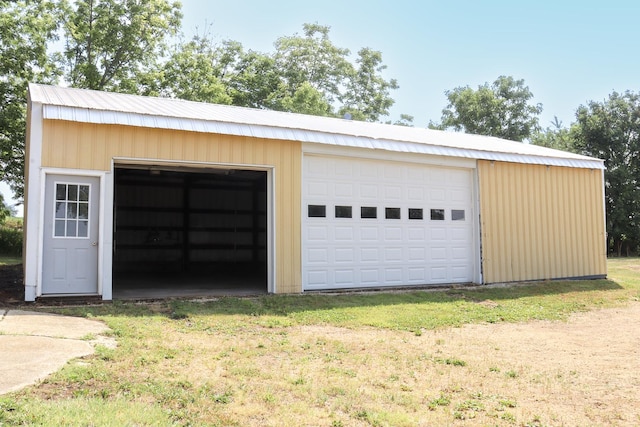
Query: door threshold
[(68, 295)]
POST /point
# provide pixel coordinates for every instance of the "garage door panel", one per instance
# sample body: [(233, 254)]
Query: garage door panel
[(417, 254), (459, 195), (393, 234), (459, 254), (438, 274), (392, 192), (343, 190), (317, 278), (437, 195), (343, 233), (317, 233), (416, 233), (344, 255), (369, 170), (401, 244), (318, 190), (316, 166), (439, 253), (370, 276), (417, 275), (318, 256), (343, 170), (345, 277), (370, 255), (415, 194), (459, 273), (393, 276), (459, 234), (438, 234), (458, 177), (369, 233), (393, 254), (368, 192)]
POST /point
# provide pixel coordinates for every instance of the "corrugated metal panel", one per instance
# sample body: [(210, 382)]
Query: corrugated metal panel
[(91, 146), (540, 222), (112, 108)]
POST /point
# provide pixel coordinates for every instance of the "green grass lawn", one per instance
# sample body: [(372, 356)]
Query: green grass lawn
[(282, 360), (10, 260)]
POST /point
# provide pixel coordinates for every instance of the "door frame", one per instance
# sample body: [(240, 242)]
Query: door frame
[(108, 203), (42, 210)]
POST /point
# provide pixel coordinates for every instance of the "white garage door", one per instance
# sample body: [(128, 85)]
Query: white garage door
[(372, 223)]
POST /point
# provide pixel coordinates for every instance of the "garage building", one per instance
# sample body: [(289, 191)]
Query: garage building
[(130, 196)]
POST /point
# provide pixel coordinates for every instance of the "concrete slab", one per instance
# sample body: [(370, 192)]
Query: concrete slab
[(34, 345), (18, 322), (27, 359)]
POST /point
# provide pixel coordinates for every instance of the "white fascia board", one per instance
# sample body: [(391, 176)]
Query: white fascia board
[(378, 154)]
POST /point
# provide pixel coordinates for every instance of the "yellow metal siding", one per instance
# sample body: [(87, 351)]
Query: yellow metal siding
[(93, 146), (540, 222)]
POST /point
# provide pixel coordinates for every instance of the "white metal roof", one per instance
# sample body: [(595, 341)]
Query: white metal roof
[(81, 105)]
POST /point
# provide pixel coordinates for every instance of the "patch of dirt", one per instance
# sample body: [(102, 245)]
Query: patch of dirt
[(11, 285), (12, 291), (583, 371)]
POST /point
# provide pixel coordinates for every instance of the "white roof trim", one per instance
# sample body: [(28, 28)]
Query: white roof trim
[(88, 106)]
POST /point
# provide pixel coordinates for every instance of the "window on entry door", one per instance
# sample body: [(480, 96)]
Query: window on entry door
[(71, 210)]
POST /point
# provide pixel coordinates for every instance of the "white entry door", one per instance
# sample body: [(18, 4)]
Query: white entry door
[(70, 246)]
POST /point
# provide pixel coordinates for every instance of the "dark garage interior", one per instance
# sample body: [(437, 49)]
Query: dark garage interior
[(189, 232)]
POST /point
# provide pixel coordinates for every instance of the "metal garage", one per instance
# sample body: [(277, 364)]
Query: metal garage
[(126, 192)]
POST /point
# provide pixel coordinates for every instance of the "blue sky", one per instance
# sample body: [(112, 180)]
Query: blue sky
[(568, 52)]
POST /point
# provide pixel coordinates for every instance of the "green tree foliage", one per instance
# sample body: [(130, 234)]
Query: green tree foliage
[(312, 60), (404, 120), (501, 109), (111, 44), (304, 74), (367, 93), (610, 130), (191, 73), (25, 29), (554, 136), (121, 45)]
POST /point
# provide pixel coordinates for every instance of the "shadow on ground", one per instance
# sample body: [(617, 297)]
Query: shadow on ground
[(11, 285), (12, 295)]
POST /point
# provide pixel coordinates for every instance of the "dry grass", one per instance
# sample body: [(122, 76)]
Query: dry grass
[(239, 364)]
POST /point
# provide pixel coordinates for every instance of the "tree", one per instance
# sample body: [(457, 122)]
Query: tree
[(610, 130), (312, 67), (501, 109), (191, 73), (26, 27), (111, 44), (404, 120), (367, 93), (255, 81), (306, 100), (554, 136), (305, 74), (312, 59)]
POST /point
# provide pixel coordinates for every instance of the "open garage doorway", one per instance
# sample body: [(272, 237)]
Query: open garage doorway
[(189, 232)]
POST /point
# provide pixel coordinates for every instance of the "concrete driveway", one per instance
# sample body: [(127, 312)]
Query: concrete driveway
[(34, 345)]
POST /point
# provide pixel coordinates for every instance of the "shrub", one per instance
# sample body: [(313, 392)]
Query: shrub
[(11, 237)]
